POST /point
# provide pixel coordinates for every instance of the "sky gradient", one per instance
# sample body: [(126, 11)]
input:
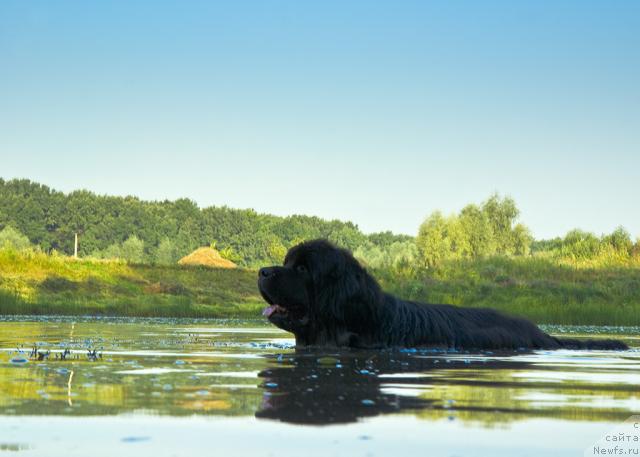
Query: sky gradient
[(374, 112)]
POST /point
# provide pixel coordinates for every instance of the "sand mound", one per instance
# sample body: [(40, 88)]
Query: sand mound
[(207, 257)]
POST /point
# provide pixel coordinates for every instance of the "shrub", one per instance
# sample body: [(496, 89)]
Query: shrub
[(132, 250), (12, 238)]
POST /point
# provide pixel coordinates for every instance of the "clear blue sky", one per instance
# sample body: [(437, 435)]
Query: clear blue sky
[(375, 112)]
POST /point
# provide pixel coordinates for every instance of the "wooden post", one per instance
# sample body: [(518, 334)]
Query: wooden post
[(75, 247)]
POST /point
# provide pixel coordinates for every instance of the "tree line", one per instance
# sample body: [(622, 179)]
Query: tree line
[(161, 232)]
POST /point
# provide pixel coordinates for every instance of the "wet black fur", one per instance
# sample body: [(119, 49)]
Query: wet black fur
[(332, 301)]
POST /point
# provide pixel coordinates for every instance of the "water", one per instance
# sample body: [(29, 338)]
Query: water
[(162, 387)]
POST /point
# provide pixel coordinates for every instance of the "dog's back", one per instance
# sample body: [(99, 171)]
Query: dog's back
[(413, 324)]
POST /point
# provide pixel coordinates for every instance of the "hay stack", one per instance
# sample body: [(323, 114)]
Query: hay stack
[(207, 257)]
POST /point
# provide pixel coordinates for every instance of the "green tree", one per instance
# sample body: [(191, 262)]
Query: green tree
[(479, 230), (403, 255), (399, 255), (166, 253), (459, 244), (385, 239), (501, 213), (620, 240), (522, 240), (580, 245), (635, 249), (550, 245), (12, 238), (276, 250), (132, 250), (345, 235), (113, 251), (432, 241), (371, 255)]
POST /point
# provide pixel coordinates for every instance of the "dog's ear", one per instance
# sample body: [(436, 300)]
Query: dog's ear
[(344, 293), (329, 266)]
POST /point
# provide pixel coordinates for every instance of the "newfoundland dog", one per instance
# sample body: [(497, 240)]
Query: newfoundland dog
[(326, 298)]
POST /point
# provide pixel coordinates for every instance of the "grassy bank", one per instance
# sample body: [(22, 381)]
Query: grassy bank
[(541, 288), (35, 283)]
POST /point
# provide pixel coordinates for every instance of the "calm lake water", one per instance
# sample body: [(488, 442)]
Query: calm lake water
[(161, 387)]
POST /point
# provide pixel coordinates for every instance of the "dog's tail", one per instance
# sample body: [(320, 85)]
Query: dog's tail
[(607, 345)]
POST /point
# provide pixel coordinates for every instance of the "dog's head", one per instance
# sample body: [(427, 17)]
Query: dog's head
[(319, 289)]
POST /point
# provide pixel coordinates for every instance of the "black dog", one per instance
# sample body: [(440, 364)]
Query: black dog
[(325, 298)]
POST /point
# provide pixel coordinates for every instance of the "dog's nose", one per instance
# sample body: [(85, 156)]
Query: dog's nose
[(266, 272)]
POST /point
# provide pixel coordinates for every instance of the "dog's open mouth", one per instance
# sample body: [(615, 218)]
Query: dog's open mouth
[(274, 309), (278, 313)]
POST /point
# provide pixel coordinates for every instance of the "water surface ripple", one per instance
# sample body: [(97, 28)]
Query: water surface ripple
[(83, 386)]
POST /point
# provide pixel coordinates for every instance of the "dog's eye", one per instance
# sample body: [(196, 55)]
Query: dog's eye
[(301, 269)]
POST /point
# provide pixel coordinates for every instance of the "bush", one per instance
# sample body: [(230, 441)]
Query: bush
[(167, 253), (12, 238), (635, 250), (580, 245), (399, 255), (133, 250), (620, 240)]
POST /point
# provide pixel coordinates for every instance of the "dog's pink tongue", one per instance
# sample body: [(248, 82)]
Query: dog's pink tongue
[(269, 310)]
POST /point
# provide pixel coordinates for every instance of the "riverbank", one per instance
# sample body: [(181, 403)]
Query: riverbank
[(538, 288), (545, 289), (35, 283)]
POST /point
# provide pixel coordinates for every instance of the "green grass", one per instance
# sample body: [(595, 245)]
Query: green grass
[(35, 283), (542, 288)]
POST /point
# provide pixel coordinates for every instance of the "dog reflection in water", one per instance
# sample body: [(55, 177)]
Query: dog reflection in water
[(310, 387)]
